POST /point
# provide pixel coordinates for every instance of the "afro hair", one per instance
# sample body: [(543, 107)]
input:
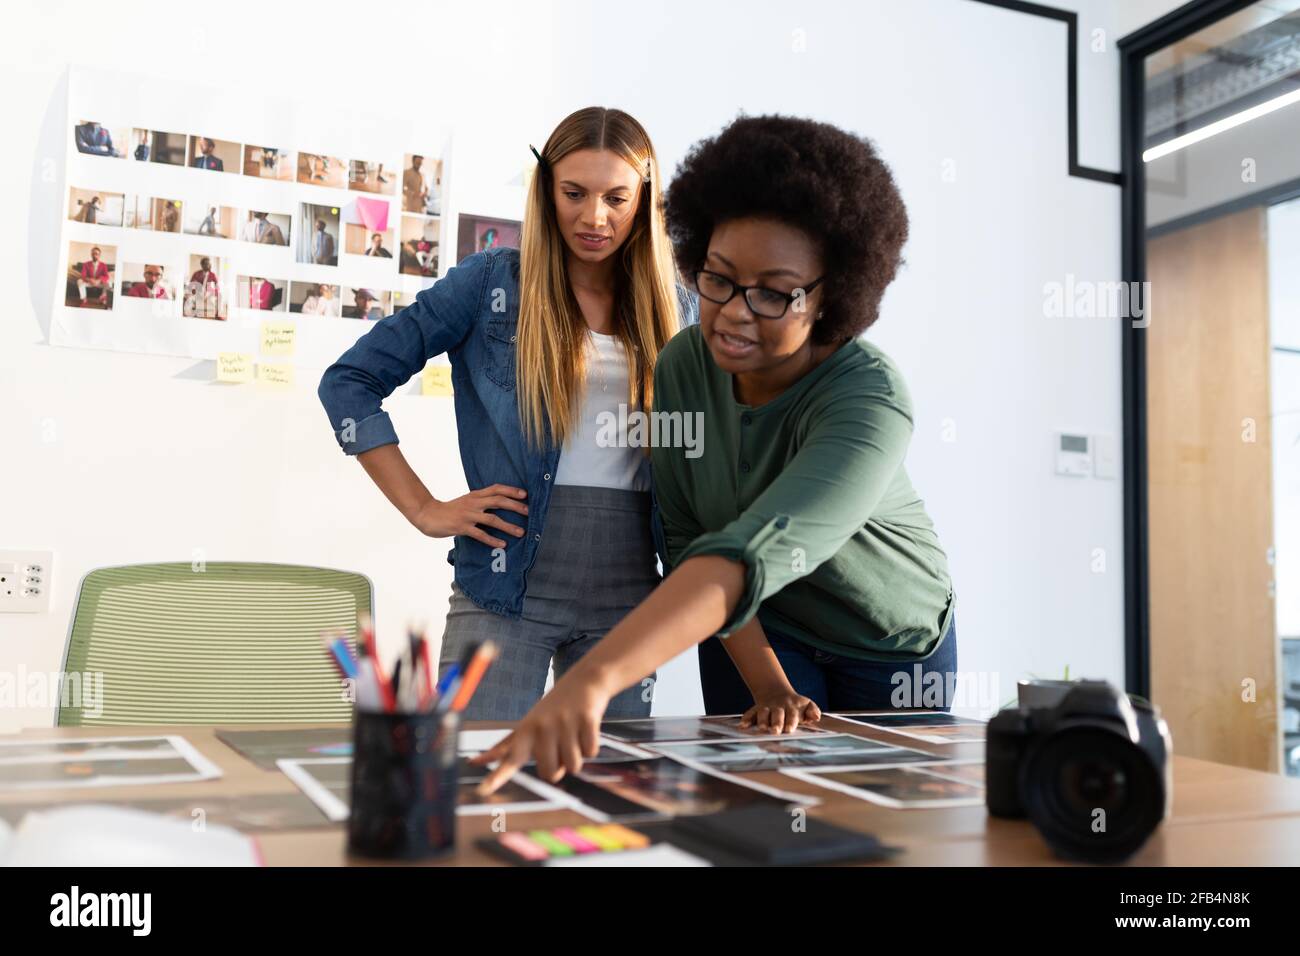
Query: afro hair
[(814, 176)]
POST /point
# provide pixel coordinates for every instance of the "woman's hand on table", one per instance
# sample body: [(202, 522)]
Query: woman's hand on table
[(781, 711)]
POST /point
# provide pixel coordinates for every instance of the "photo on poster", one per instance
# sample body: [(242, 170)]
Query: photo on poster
[(217, 155), (209, 219), (422, 185), (141, 144), (269, 162), (97, 207), (265, 228), (419, 238), (642, 731), (315, 298), (899, 788), (168, 148), (263, 294), (371, 177), (90, 275), (363, 303), (206, 289), (360, 241), (157, 215), (364, 216), (94, 139), (480, 233), (147, 280), (318, 234), (932, 727), (100, 762), (773, 753), (318, 170)]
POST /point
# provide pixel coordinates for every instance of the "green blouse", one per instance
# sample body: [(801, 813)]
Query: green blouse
[(809, 491)]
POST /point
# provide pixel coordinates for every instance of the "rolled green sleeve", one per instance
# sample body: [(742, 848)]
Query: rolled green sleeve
[(821, 497)]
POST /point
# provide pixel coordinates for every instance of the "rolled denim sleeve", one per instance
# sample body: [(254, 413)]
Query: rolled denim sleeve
[(823, 496), (396, 348)]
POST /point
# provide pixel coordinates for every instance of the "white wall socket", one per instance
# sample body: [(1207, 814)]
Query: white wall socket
[(25, 578)]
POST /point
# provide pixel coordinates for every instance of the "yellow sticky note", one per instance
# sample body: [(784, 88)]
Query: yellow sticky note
[(274, 373), (277, 337), (435, 380), (234, 367)]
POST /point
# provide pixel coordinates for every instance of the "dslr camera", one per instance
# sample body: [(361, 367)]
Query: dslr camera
[(1087, 764)]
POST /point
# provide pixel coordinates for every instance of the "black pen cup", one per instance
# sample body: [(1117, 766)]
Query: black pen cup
[(404, 785)]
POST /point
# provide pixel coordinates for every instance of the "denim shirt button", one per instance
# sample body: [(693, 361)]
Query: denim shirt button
[(546, 477), (537, 537)]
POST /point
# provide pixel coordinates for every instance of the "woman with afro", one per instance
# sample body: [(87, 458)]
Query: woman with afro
[(798, 555)]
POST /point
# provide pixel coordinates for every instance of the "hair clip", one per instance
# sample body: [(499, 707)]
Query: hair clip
[(645, 176), (541, 161)]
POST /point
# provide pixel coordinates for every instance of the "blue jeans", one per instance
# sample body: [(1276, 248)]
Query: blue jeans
[(833, 681)]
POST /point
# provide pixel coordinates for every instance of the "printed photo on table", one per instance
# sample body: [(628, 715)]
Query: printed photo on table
[(262, 294), (360, 241), (420, 237), (95, 206), (315, 298), (90, 275), (146, 280), (774, 752), (205, 291), (94, 139), (266, 228), (217, 155), (899, 788), (209, 219), (363, 303), (318, 170), (422, 184), (268, 162), (318, 235), (371, 177), (480, 233), (168, 148), (155, 214)]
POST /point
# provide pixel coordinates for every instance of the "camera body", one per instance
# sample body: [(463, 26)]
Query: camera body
[(1090, 769)]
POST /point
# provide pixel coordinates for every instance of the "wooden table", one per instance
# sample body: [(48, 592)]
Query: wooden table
[(1222, 815)]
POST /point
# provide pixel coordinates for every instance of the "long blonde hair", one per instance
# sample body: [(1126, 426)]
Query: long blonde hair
[(551, 335)]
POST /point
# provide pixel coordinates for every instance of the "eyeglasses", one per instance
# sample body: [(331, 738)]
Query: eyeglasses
[(763, 302)]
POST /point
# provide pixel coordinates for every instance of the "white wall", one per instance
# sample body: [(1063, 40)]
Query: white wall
[(115, 458), (1284, 309)]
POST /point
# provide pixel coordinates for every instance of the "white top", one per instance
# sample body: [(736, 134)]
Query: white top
[(597, 454)]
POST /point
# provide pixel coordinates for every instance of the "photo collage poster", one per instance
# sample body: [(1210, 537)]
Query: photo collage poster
[(240, 229)]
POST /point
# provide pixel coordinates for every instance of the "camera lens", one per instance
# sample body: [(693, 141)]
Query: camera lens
[(1092, 793)]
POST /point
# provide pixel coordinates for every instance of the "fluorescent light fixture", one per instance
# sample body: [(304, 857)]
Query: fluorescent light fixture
[(1219, 126)]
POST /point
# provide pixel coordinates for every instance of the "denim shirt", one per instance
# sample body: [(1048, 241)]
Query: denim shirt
[(471, 314)]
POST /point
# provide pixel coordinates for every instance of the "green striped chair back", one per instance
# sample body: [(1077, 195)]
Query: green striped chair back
[(223, 642)]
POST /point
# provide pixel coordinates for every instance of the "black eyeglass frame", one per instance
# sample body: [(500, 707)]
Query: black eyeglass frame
[(736, 287)]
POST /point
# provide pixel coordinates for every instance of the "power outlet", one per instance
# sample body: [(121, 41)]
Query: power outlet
[(25, 579)]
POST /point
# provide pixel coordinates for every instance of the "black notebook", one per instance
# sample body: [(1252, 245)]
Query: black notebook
[(768, 835)]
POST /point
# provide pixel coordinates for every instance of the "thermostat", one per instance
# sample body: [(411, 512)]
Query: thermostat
[(1073, 455)]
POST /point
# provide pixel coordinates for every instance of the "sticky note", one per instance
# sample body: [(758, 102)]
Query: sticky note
[(435, 380), (277, 337), (234, 367), (274, 373)]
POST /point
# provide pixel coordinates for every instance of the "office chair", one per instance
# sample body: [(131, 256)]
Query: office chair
[(224, 642)]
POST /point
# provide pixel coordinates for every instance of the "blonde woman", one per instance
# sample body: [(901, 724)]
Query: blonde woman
[(553, 543)]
